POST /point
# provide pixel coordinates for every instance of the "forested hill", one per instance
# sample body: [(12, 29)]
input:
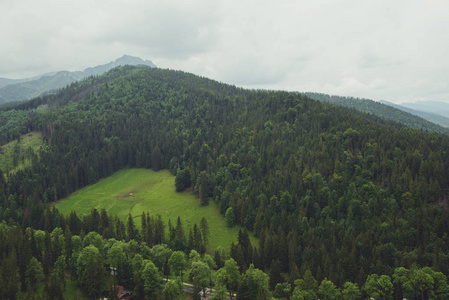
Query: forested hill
[(327, 189), (389, 111)]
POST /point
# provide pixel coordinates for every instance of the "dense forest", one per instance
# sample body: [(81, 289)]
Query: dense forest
[(334, 195)]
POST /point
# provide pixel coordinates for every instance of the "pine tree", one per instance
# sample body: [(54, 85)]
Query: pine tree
[(205, 232), (180, 240), (131, 229)]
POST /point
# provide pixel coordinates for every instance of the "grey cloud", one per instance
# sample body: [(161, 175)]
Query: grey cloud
[(169, 31), (370, 49), (371, 60)]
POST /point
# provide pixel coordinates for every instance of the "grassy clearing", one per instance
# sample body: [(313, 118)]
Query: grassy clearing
[(140, 190), (16, 155)]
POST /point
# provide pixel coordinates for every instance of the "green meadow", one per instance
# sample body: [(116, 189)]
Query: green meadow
[(16, 155), (140, 190)]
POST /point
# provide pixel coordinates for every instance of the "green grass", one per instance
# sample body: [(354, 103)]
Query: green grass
[(153, 192), (31, 140)]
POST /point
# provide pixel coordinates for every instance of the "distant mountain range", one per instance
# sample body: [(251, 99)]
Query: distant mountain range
[(433, 111), (8, 81), (389, 111), (435, 107), (13, 90)]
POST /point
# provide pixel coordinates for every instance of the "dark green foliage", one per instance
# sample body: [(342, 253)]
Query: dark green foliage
[(179, 243), (160, 255), (205, 232), (275, 274), (243, 251), (254, 285), (422, 283), (12, 123), (90, 271), (282, 290), (182, 180), (34, 273), (205, 188), (131, 230), (144, 276), (198, 244), (379, 287), (230, 217), (54, 288), (9, 276), (218, 260), (325, 188), (152, 280)]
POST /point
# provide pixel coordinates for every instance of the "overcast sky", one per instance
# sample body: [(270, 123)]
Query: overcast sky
[(377, 49)]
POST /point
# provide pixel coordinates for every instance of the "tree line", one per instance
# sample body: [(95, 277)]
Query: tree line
[(34, 264)]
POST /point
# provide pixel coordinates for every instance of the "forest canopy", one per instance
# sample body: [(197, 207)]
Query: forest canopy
[(332, 191)]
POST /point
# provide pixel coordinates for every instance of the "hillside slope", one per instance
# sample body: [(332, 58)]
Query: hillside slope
[(389, 111), (328, 189)]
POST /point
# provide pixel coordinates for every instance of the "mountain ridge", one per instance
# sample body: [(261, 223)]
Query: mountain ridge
[(435, 107), (430, 115), (386, 110), (13, 90)]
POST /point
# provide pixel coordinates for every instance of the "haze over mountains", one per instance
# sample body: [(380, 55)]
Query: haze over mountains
[(389, 111), (7, 81), (433, 111), (435, 107), (12, 90)]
